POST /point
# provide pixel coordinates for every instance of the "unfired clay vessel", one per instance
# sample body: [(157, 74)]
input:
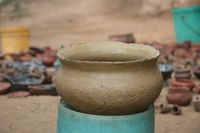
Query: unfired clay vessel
[(109, 78)]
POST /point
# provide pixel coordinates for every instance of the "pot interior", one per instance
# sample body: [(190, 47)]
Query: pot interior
[(108, 51)]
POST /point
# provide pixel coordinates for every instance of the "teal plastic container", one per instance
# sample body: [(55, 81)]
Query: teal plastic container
[(70, 121), (187, 24)]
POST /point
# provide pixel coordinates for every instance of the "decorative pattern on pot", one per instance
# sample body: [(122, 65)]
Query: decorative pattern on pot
[(109, 78), (179, 96), (183, 83), (183, 73), (196, 102)]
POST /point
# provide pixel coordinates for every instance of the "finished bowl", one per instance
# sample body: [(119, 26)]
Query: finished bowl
[(109, 78)]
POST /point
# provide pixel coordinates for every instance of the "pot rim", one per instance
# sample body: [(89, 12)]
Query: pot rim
[(183, 70), (155, 56)]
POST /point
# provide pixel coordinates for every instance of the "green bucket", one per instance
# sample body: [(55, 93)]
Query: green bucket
[(187, 24)]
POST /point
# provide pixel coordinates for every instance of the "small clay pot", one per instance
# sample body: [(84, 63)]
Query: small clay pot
[(183, 83), (196, 102), (196, 71), (179, 96), (127, 38), (183, 73), (4, 87), (175, 109)]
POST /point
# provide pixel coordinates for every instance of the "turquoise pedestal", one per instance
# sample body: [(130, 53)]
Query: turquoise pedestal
[(70, 121)]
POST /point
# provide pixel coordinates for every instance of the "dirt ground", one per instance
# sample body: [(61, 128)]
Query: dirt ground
[(55, 23)]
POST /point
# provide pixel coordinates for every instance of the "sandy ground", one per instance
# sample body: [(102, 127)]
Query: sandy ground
[(56, 23)]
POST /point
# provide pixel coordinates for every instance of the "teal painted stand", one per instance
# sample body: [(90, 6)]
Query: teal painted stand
[(70, 121), (187, 24)]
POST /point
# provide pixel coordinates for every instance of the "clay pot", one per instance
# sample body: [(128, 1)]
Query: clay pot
[(126, 38), (48, 58), (4, 87), (166, 72), (183, 73), (179, 96), (109, 78), (196, 102), (183, 83), (196, 71)]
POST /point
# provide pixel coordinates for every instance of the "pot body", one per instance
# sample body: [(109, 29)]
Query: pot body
[(109, 88), (182, 74), (179, 96)]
